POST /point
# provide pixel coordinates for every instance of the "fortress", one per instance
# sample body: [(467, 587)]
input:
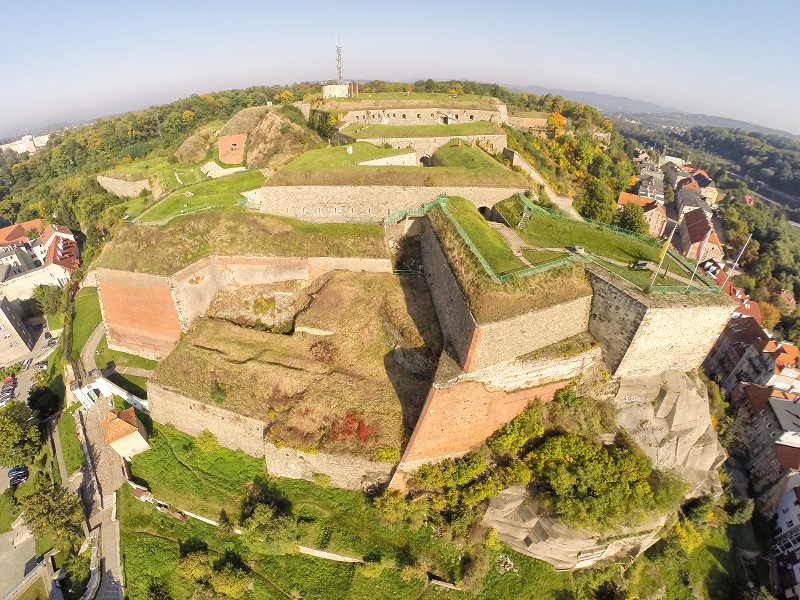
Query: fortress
[(488, 367)]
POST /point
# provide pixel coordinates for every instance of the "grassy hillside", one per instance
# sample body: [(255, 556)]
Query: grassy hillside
[(168, 248), (216, 193), (333, 166), (400, 131), (345, 392)]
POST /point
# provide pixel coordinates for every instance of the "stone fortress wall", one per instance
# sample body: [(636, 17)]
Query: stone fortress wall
[(409, 159), (238, 432), (422, 116), (364, 204), (146, 314), (123, 187), (426, 146)]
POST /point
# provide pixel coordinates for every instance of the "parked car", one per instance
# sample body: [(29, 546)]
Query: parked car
[(9, 378), (26, 363), (18, 480), (41, 366), (18, 470), (48, 335), (7, 396)]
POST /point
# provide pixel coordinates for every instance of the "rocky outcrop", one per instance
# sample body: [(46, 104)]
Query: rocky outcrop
[(667, 415)]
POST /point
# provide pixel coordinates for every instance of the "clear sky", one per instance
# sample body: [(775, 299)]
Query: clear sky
[(68, 60)]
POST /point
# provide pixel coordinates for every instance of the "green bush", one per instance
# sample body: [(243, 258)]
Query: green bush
[(387, 455), (513, 436), (218, 393), (450, 472)]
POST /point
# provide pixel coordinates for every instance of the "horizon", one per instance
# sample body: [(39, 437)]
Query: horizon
[(151, 66)]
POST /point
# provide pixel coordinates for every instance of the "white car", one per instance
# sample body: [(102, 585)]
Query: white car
[(26, 363)]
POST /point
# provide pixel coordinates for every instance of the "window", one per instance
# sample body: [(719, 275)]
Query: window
[(790, 524), (404, 115), (12, 344), (772, 435), (769, 425), (472, 117), (419, 116), (2, 327), (761, 412)]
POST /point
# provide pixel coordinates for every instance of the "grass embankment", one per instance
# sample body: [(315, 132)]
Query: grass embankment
[(336, 520), (489, 301), (55, 321), (464, 166), (545, 231), (133, 384), (235, 231), (403, 131), (217, 193), (87, 316), (35, 591), (70, 446), (488, 241), (170, 176), (121, 359), (345, 392)]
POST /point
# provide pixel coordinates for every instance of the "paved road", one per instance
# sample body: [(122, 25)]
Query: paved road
[(16, 562), (88, 352)]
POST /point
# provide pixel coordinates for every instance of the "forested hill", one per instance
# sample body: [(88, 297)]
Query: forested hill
[(772, 159)]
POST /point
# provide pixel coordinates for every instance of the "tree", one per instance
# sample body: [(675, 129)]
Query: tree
[(555, 125), (51, 298), (54, 511), (194, 567), (19, 434), (632, 218), (769, 315), (230, 581), (669, 194), (187, 116), (597, 202)]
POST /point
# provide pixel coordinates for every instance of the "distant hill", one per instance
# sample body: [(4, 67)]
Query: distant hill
[(647, 112), (686, 120), (602, 102)]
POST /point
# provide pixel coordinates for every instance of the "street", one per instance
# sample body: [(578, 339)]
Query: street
[(38, 353)]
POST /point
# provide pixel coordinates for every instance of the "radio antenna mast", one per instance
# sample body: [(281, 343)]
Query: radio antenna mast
[(339, 60)]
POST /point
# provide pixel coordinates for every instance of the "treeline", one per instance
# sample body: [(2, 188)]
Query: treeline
[(772, 159), (58, 181)]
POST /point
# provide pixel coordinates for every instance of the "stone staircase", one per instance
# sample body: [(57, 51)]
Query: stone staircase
[(526, 216)]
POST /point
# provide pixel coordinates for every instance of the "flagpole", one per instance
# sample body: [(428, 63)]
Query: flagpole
[(736, 262), (663, 255), (699, 258)]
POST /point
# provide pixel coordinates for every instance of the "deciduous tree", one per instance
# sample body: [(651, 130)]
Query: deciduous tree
[(19, 434)]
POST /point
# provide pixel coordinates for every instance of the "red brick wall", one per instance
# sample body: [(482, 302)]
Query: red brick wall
[(458, 419)]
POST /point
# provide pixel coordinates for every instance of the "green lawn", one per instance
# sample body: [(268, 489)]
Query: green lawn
[(642, 279), (334, 519), (55, 321), (544, 231), (36, 591), (70, 446), (336, 157), (458, 153), (87, 317), (121, 359), (488, 241), (403, 131), (540, 257), (222, 192), (170, 176), (133, 384)]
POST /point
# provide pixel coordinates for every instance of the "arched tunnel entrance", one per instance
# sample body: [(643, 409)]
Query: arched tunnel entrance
[(426, 161), (486, 212)]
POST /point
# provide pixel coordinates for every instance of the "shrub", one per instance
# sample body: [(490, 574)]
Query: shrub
[(567, 396), (513, 436), (450, 472), (206, 442), (387, 455), (230, 581), (194, 567), (218, 393)]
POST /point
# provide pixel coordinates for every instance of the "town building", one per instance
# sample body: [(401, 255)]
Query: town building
[(687, 200), (125, 433), (747, 307), (654, 213), (16, 341), (736, 355), (694, 229), (18, 234)]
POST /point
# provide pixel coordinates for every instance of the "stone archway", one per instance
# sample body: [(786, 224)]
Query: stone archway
[(426, 160), (443, 119), (486, 212)]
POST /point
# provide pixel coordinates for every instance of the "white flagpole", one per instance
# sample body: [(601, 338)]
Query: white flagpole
[(699, 258), (736, 262)]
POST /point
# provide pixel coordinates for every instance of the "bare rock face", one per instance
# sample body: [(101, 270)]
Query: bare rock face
[(514, 514), (667, 415)]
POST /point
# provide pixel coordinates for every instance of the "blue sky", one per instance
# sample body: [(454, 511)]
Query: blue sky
[(77, 59)]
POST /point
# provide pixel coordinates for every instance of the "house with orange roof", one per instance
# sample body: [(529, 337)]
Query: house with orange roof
[(746, 307), (693, 230), (17, 234), (653, 212), (738, 353), (123, 431)]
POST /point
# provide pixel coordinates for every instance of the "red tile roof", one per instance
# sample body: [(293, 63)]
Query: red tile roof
[(63, 252), (15, 234), (119, 424), (697, 225), (647, 204), (788, 456), (52, 230), (757, 395)]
